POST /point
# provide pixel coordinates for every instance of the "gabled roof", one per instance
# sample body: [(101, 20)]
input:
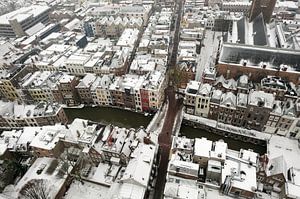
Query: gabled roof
[(277, 166), (244, 79), (290, 108), (216, 94), (87, 81), (242, 99), (228, 99), (228, 84), (205, 89)]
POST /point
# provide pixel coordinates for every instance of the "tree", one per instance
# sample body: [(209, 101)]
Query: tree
[(15, 166), (176, 76), (10, 169), (34, 189), (72, 156)]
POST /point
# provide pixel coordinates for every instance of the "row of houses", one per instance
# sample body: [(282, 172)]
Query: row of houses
[(152, 51), (107, 158), (138, 93), (269, 107), (72, 70), (14, 115), (119, 10), (109, 26)]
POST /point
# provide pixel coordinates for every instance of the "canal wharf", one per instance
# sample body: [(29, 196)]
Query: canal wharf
[(237, 133)]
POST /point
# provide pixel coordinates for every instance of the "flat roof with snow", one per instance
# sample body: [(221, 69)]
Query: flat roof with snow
[(256, 55), (202, 147), (23, 13)]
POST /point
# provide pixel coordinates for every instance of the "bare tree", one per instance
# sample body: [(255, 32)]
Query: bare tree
[(176, 76), (34, 189), (72, 158)]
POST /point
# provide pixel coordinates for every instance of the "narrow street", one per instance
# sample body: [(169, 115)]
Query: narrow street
[(165, 141), (164, 138)]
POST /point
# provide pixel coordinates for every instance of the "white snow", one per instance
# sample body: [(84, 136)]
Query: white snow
[(288, 148), (202, 147), (87, 190), (53, 182), (244, 176)]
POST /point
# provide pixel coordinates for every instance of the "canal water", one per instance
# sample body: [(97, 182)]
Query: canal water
[(128, 119), (191, 132), (107, 115)]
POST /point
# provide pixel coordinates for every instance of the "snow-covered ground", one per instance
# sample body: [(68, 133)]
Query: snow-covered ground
[(178, 122), (157, 121), (86, 190)]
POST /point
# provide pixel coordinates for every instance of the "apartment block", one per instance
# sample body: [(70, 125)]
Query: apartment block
[(15, 23)]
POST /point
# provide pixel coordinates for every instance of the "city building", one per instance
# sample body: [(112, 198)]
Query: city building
[(100, 90), (190, 96), (260, 105), (205, 163), (9, 84), (265, 8), (84, 88), (152, 91), (14, 115), (203, 100), (278, 168), (18, 22)]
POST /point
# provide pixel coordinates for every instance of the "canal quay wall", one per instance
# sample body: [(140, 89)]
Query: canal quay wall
[(178, 122), (157, 121), (237, 133)]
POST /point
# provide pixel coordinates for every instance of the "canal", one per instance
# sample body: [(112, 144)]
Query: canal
[(191, 132), (128, 119), (108, 115)]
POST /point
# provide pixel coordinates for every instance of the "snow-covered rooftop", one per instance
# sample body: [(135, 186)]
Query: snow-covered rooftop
[(202, 147), (288, 148), (23, 13), (128, 38), (243, 176), (261, 99), (90, 190)]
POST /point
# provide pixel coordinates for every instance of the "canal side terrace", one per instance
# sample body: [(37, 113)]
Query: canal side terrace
[(135, 92)]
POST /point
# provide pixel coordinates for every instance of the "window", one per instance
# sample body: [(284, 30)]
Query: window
[(292, 134)]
